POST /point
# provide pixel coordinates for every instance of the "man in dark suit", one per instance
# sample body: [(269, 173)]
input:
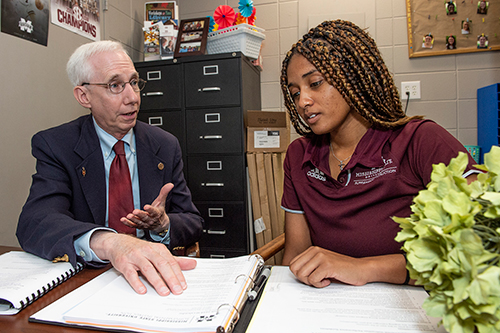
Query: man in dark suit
[(66, 216)]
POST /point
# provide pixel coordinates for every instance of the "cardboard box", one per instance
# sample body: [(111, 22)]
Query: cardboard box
[(267, 131), (266, 119), (267, 139)]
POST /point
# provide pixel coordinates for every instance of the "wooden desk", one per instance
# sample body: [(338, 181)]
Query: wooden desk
[(19, 322)]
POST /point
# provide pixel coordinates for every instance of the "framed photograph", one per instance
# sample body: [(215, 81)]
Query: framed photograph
[(192, 37)]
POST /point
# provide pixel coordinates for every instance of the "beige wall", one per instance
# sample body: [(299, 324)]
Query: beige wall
[(35, 93)]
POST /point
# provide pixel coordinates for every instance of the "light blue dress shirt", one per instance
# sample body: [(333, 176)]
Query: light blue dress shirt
[(107, 142)]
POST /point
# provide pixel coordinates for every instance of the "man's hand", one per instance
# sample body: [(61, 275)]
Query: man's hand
[(153, 217), (130, 255)]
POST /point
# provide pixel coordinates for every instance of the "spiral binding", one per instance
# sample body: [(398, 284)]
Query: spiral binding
[(40, 292)]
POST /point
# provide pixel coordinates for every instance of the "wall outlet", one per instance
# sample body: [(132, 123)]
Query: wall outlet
[(413, 87)]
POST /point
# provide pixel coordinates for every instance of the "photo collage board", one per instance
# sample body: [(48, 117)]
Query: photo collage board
[(438, 27)]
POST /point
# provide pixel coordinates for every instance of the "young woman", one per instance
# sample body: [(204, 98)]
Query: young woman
[(359, 162)]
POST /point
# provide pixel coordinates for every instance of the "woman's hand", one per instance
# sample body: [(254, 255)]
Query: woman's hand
[(318, 267)]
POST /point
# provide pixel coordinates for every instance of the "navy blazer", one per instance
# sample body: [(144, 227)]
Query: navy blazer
[(68, 193)]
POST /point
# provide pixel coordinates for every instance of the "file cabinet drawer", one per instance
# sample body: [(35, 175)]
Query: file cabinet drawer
[(216, 177), (170, 121), (163, 87), (214, 131), (225, 224), (212, 83)]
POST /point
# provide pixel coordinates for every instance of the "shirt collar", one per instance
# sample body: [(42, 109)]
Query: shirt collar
[(108, 141), (368, 152)]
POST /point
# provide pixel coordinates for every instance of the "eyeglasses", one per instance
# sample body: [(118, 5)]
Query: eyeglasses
[(119, 86)]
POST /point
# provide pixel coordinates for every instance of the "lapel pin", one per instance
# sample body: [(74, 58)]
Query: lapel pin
[(84, 172), (64, 258), (160, 166)]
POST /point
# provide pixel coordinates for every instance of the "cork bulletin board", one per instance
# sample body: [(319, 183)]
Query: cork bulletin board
[(437, 27)]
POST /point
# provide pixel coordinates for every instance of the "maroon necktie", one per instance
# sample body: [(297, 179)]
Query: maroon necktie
[(121, 201)]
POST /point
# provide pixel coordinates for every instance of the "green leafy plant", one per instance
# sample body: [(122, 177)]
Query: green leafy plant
[(452, 245)]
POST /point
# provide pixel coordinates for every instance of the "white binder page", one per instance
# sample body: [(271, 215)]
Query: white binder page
[(217, 289), (288, 306)]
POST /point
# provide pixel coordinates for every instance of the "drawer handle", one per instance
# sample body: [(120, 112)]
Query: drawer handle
[(210, 137), (209, 89), (154, 93), (217, 256), (216, 232), (213, 184)]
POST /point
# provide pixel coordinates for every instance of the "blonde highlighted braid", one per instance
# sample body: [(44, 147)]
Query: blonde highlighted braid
[(349, 60)]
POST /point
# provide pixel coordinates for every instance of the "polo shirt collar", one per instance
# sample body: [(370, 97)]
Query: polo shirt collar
[(370, 148), (368, 151)]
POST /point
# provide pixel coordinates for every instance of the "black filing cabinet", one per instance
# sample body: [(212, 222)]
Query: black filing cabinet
[(162, 98), (203, 100)]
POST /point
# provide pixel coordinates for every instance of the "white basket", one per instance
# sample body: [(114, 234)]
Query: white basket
[(242, 38)]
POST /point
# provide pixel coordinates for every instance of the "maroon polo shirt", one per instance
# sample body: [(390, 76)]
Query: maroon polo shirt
[(352, 214)]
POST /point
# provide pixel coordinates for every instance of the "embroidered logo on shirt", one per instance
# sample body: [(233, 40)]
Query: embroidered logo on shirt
[(315, 173), (366, 177)]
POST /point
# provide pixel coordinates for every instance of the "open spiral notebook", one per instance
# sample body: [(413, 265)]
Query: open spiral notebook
[(217, 290), (25, 277)]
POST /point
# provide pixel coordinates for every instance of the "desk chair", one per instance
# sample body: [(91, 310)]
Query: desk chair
[(270, 249)]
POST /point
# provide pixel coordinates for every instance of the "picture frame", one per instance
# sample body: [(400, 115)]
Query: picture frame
[(192, 37)]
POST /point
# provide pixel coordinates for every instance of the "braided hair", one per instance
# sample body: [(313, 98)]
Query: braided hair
[(349, 60)]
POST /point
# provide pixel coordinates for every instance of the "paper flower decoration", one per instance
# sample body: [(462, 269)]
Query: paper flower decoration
[(251, 19), (211, 24), (246, 7), (240, 19), (224, 16)]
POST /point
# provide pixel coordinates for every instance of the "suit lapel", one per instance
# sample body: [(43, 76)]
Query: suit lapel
[(150, 175), (91, 171)]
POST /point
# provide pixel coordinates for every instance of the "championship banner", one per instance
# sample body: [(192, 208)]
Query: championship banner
[(79, 16)]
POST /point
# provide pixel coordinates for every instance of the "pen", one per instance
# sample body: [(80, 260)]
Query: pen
[(264, 275)]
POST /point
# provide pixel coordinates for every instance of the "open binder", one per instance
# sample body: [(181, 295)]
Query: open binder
[(217, 291), (24, 278)]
